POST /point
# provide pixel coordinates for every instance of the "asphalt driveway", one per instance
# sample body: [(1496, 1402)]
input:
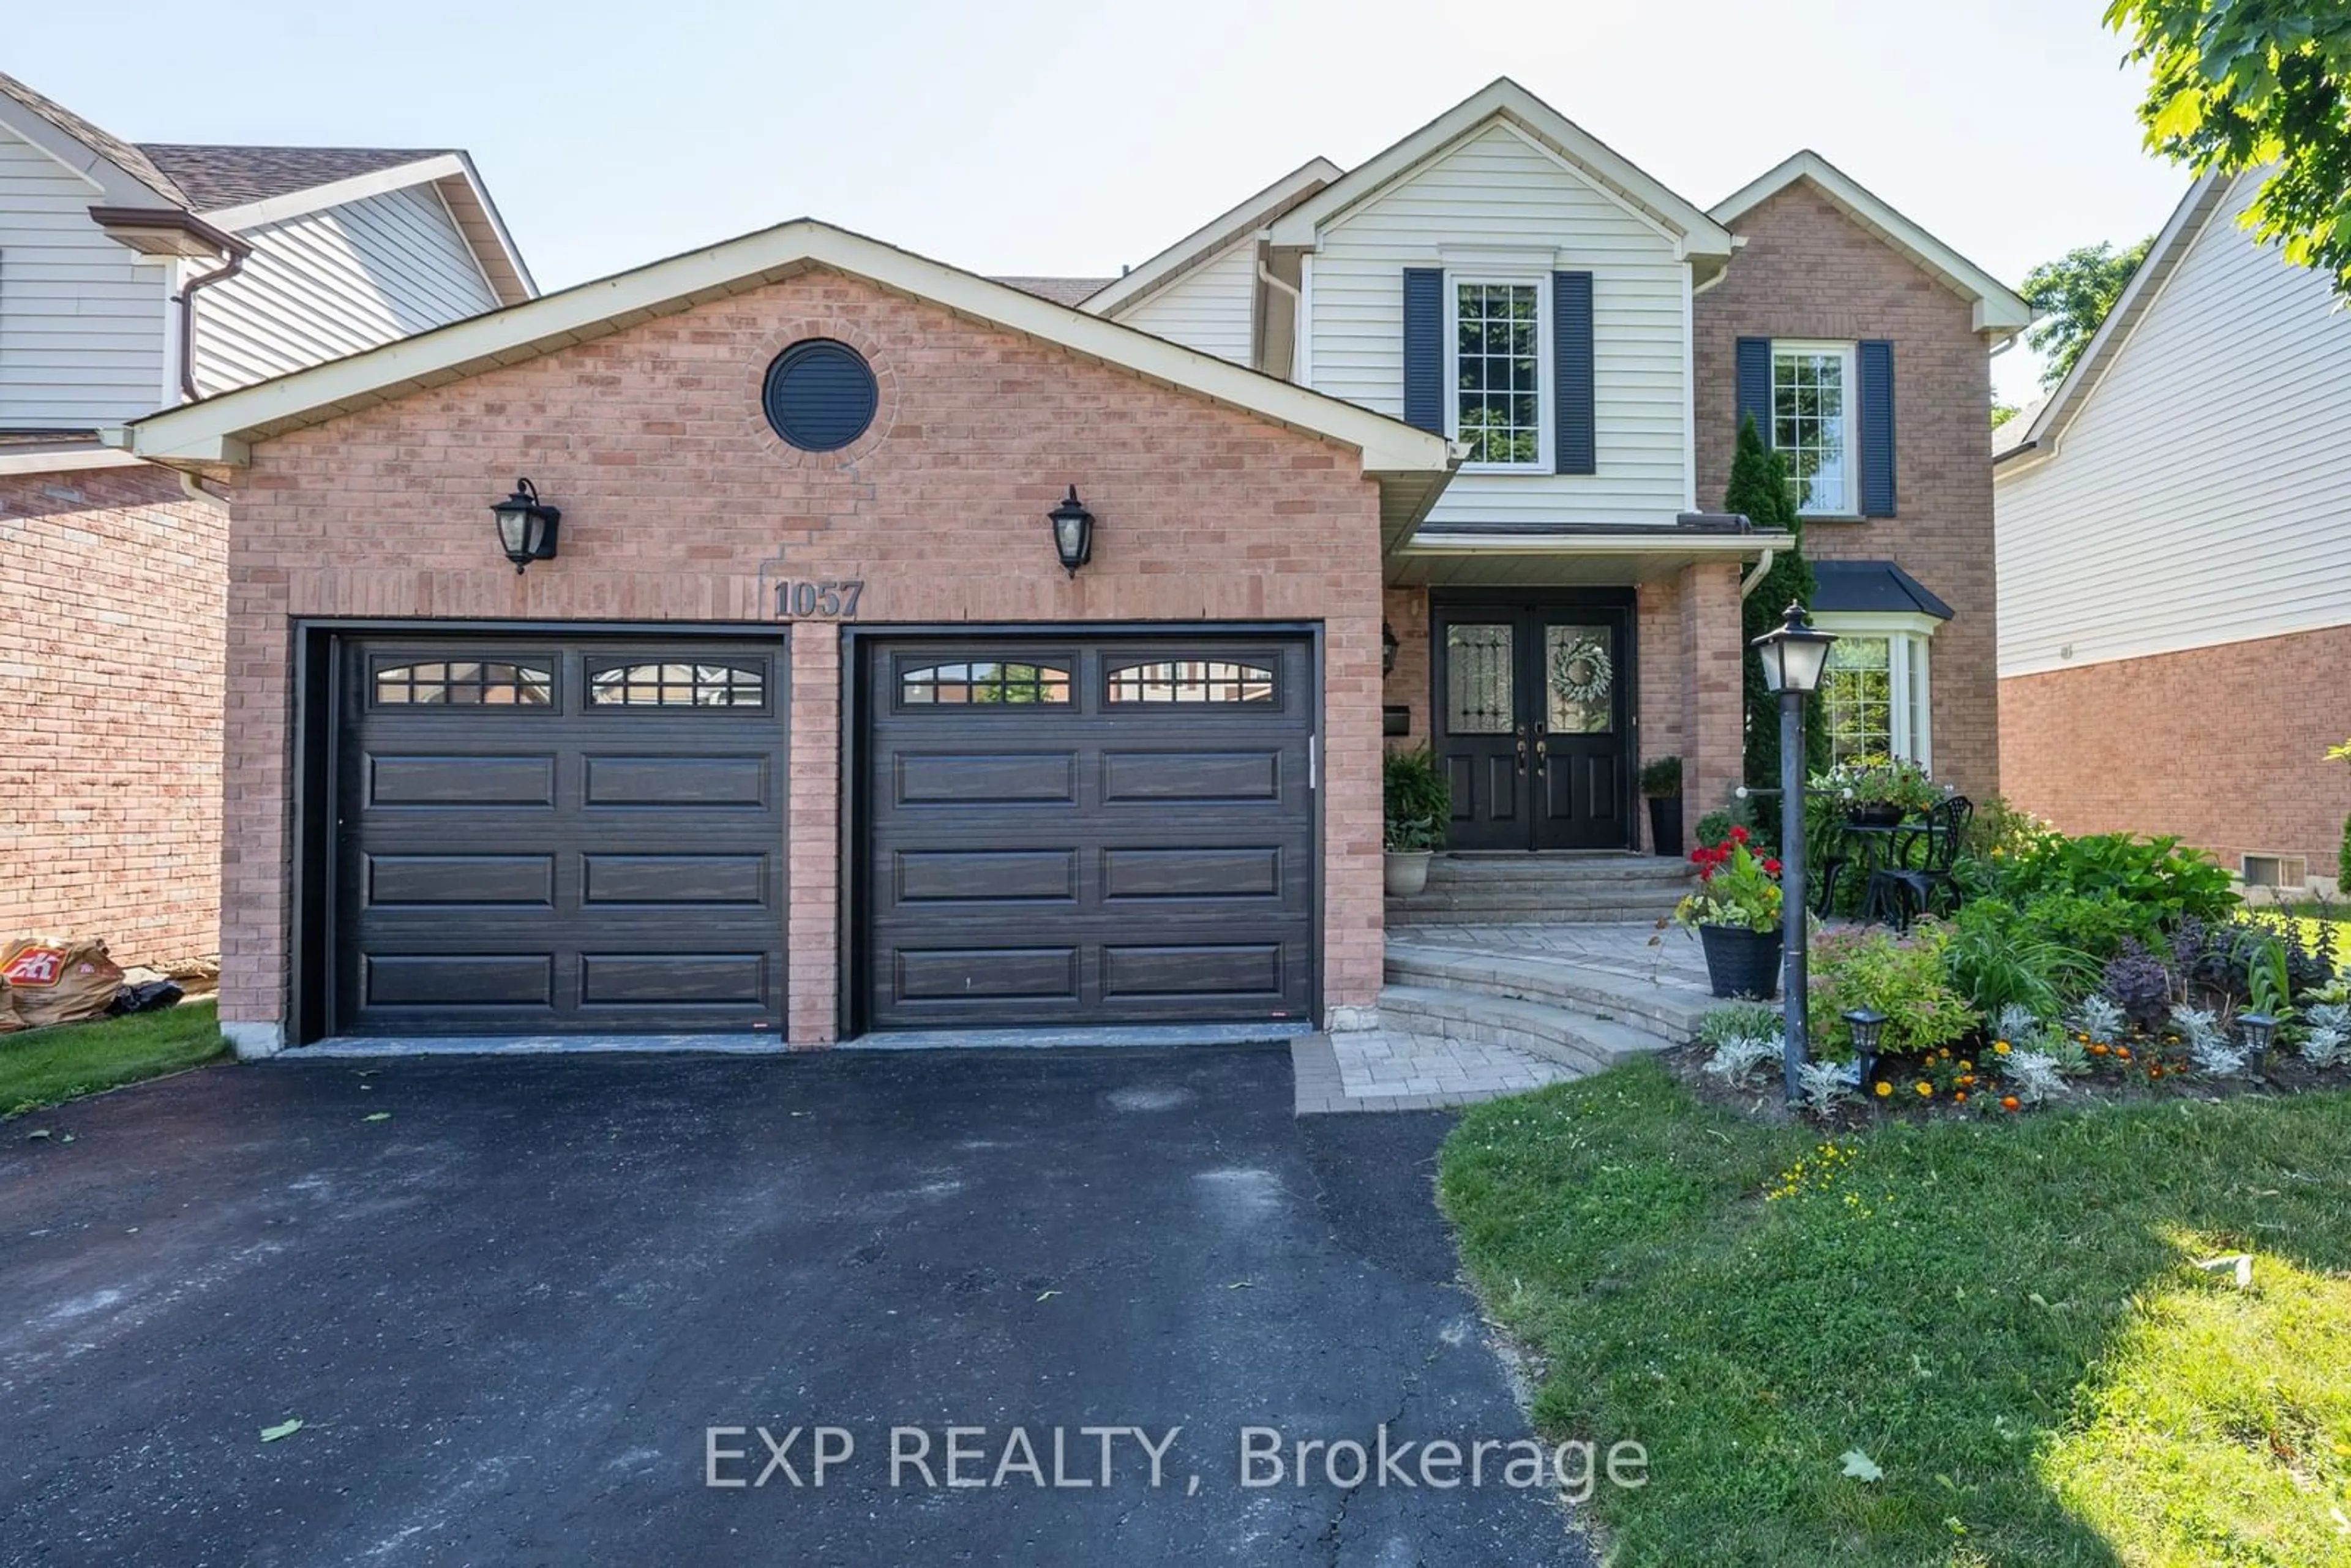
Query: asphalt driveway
[(509, 1311)]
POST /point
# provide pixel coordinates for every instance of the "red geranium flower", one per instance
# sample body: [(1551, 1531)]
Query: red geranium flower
[(1737, 835)]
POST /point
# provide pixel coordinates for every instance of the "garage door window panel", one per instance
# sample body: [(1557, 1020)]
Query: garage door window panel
[(462, 683), (678, 685), (982, 683), (1189, 681)]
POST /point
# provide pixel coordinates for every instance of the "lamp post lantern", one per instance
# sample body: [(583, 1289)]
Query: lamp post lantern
[(1793, 654)]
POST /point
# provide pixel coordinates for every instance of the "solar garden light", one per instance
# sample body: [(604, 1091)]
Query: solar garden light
[(525, 525), (2259, 1028), (1867, 1025), (1793, 654)]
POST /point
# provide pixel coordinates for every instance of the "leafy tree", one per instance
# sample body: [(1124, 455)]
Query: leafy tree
[(2238, 85), (1759, 488), (2002, 413), (2071, 295)]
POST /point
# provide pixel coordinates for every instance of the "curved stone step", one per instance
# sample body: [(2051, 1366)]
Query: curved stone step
[(1578, 1042), (1670, 1013)]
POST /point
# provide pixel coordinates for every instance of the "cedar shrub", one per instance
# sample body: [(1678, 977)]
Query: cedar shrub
[(1759, 489)]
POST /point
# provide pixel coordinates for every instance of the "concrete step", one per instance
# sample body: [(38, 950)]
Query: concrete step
[(1485, 906), (1582, 1043), (1559, 869), (1480, 890), (1668, 1013)]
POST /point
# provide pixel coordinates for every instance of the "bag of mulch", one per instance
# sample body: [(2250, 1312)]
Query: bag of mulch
[(56, 979), (145, 996)]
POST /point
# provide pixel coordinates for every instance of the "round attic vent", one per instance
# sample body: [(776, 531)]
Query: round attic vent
[(820, 395)]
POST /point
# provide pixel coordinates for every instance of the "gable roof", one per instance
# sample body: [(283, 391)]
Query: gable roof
[(1253, 213), (2050, 417), (68, 130), (216, 177), (1997, 308), (1411, 466), (1504, 99)]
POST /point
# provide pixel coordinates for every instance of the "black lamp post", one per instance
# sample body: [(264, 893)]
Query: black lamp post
[(1073, 533), (1793, 654), (525, 525)]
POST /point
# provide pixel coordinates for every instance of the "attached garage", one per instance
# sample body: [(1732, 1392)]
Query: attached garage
[(1077, 830), (551, 837), (913, 655)]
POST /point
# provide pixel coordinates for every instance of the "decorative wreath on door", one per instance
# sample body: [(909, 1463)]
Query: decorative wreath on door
[(1582, 671)]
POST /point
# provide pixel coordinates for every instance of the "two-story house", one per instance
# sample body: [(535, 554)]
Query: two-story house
[(134, 278), (879, 647), (2175, 567)]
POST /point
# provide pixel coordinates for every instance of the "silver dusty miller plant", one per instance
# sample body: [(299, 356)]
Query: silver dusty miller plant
[(1822, 1086), (2329, 1041), (2098, 1017), (2209, 1046), (2016, 1022), (2034, 1077), (1737, 1058)]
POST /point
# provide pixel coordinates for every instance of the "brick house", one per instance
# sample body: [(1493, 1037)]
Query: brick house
[(809, 724), (2175, 571), (134, 277)]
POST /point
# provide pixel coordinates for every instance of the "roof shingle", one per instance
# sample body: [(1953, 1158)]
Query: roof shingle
[(216, 177), (115, 150), (1060, 290)]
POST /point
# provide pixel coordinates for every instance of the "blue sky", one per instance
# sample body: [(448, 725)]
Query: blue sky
[(1070, 138)]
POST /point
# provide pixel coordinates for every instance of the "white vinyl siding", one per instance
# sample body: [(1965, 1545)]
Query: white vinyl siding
[(1500, 191), (331, 283), (1208, 308), (81, 321), (2202, 492)]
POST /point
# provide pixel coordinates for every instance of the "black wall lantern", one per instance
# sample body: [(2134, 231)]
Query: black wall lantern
[(1073, 533), (1388, 646), (525, 525)]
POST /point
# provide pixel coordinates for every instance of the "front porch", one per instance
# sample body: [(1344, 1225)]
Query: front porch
[(1545, 669)]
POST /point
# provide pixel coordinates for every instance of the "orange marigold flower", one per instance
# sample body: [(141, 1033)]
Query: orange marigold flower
[(2097, 1050), (2122, 1051), (1961, 1097), (2010, 1102)]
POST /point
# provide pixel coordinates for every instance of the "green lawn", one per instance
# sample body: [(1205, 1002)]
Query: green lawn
[(43, 1066), (2005, 1317)]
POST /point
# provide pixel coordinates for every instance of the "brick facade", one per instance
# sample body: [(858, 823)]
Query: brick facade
[(1809, 271), (679, 504), (112, 588), (2224, 747)]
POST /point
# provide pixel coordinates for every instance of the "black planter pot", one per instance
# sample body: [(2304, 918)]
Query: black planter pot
[(1666, 825), (1741, 963), (1874, 814)]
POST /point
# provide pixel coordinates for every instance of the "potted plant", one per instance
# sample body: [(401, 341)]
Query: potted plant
[(1420, 803), (1661, 784), (1879, 791), (1735, 910)]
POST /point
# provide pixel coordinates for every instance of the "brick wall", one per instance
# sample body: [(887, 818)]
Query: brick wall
[(679, 504), (1808, 271), (2224, 747), (1407, 686), (110, 592)]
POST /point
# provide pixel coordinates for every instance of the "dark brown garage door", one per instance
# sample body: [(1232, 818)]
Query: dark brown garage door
[(558, 837), (1088, 831)]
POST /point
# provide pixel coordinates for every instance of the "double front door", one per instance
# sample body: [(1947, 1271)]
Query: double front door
[(1533, 721)]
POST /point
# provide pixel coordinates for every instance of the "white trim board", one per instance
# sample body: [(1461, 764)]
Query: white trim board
[(1210, 239)]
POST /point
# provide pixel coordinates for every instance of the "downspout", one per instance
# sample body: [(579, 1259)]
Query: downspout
[(1754, 579), (186, 301), (193, 488)]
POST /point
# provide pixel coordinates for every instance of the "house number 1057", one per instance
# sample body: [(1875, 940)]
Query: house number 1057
[(818, 601)]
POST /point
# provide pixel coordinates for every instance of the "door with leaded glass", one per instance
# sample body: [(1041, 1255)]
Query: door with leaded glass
[(1534, 721)]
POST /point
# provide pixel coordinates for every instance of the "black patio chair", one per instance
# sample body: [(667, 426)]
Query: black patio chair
[(1900, 893)]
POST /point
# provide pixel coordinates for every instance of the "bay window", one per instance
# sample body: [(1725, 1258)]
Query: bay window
[(1877, 694)]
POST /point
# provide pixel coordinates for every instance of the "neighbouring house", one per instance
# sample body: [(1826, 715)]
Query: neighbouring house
[(907, 650), (2175, 559), (134, 278)]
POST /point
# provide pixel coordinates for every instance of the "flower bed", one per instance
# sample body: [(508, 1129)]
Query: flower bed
[(2102, 968)]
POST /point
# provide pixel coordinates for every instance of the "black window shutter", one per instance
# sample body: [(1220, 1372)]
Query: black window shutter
[(1877, 429), (1570, 362), (1755, 386), (1424, 348)]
